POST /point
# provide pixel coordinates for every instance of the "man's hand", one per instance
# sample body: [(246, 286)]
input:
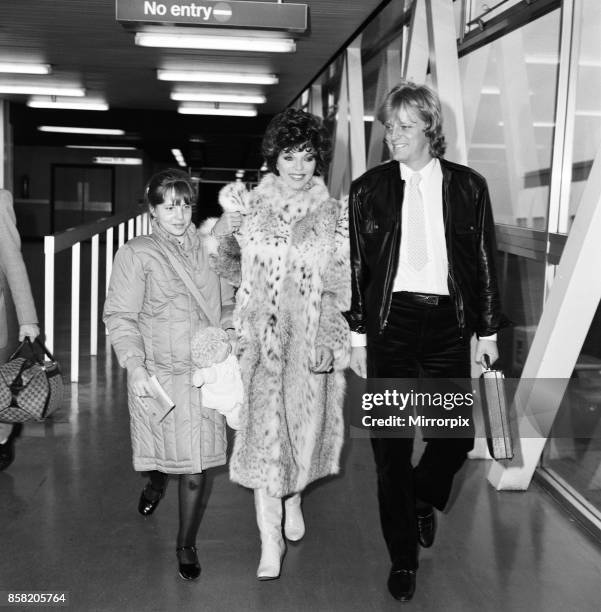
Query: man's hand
[(140, 382), (324, 359), (486, 347), (228, 223), (359, 361), (31, 331)]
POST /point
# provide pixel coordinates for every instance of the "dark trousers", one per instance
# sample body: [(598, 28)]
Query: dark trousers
[(418, 341)]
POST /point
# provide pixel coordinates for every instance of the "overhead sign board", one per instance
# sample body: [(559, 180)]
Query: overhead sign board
[(264, 15)]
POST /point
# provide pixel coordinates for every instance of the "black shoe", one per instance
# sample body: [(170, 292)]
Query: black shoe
[(401, 583), (426, 528), (188, 571), (147, 506), (7, 450)]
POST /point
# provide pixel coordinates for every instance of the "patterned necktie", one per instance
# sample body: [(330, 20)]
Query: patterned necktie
[(417, 248)]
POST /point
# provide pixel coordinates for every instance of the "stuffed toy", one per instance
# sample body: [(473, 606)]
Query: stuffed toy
[(217, 373)]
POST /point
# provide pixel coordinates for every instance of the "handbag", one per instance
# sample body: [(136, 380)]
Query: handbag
[(495, 413), (31, 387)]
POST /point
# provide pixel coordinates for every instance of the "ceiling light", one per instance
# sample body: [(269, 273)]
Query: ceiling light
[(217, 77), (588, 113), (217, 43), (368, 118), (542, 59), (179, 158), (538, 124), (217, 109), (80, 130), (54, 102), (42, 90), (21, 68), (182, 96), (99, 147), (119, 161)]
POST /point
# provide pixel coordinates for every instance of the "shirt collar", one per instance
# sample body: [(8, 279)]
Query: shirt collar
[(425, 172)]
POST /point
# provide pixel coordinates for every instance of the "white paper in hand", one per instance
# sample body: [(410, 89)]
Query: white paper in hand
[(161, 404)]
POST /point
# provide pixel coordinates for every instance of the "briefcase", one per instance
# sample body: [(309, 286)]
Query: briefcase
[(495, 413)]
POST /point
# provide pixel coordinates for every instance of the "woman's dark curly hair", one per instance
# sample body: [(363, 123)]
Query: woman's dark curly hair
[(421, 100), (172, 183), (296, 130)]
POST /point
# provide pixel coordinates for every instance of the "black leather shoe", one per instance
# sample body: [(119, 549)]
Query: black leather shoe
[(7, 450), (188, 571), (147, 506), (401, 583), (7, 454), (426, 528)]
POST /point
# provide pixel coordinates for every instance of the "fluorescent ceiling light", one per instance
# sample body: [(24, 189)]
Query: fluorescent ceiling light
[(22, 68), (42, 90), (588, 113), (182, 96), (80, 130), (119, 161), (217, 77), (217, 110), (99, 147), (179, 158), (544, 60), (217, 43), (490, 90), (538, 124), (54, 102)]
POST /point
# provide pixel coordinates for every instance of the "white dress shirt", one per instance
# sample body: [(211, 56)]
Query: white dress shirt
[(432, 278)]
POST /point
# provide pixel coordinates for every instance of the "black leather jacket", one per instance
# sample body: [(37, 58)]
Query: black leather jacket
[(375, 231)]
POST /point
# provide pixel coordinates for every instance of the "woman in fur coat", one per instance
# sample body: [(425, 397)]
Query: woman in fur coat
[(293, 342)]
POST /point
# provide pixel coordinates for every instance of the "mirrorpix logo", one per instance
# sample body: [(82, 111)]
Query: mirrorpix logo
[(222, 12)]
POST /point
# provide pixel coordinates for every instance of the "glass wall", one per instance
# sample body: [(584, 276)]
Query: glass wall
[(575, 461)]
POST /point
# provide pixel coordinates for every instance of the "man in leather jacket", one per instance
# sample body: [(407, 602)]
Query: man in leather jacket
[(424, 281)]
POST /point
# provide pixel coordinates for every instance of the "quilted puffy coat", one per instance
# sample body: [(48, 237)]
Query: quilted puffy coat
[(151, 317)]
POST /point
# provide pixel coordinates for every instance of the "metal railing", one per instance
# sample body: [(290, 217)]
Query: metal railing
[(72, 238)]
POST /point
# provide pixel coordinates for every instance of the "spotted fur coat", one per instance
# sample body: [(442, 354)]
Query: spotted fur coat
[(295, 283)]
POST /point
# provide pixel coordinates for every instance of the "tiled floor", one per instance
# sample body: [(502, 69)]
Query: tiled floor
[(68, 521)]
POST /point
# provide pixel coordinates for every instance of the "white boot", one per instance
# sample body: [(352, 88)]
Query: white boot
[(269, 521), (294, 524)]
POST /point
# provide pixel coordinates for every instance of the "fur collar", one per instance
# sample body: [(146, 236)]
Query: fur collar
[(277, 195)]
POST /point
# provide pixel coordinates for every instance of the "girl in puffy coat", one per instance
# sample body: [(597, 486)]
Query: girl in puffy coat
[(152, 310)]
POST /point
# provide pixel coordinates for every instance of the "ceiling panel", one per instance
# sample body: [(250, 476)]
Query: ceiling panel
[(87, 47)]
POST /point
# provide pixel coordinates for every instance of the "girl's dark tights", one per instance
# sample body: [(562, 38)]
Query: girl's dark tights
[(190, 492)]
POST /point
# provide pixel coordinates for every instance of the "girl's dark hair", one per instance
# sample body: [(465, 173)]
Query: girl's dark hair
[(172, 183), (421, 100), (296, 130)]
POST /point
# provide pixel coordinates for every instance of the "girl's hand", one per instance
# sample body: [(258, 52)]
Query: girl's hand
[(140, 382)]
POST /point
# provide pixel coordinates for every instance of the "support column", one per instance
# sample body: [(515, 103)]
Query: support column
[(564, 324), (444, 67), (6, 147)]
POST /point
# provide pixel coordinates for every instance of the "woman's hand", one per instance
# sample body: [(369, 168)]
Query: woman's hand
[(140, 382), (31, 331), (359, 361), (324, 359), (228, 223)]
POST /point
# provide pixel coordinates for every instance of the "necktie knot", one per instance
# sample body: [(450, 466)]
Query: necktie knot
[(415, 179)]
